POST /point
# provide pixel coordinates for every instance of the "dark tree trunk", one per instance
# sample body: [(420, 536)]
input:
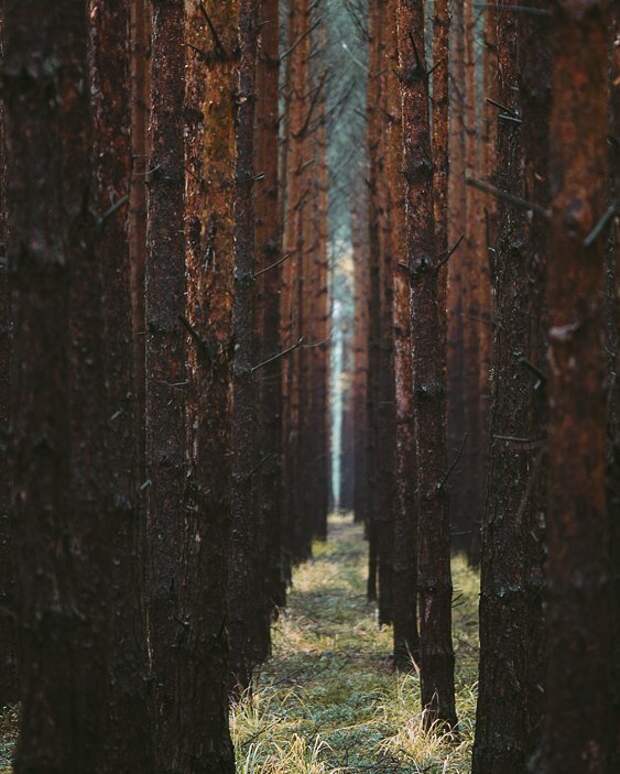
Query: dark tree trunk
[(434, 579), (60, 410), (244, 591), (577, 719), (211, 82), (460, 522), (128, 737), (374, 299), (613, 349), (508, 720), (9, 689), (269, 252), (166, 377)]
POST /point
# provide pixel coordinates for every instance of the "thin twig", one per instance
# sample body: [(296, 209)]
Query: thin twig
[(455, 462), (485, 187), (274, 265), (213, 31), (513, 9), (601, 225), (101, 219), (284, 352)]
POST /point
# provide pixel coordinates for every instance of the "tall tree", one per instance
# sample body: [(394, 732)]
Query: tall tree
[(508, 715), (245, 583), (434, 579), (211, 82), (577, 710), (60, 408), (128, 738), (166, 377), (404, 537), (269, 273), (613, 348), (8, 671)]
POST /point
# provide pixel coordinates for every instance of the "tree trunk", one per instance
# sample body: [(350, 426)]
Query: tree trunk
[(269, 253), (128, 738), (508, 719), (434, 580), (211, 81), (460, 522), (245, 583), (60, 409), (9, 689), (166, 377), (577, 710)]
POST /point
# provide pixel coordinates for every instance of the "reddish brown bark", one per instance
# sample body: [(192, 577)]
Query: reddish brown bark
[(246, 628), (434, 579), (577, 710), (211, 79), (461, 527), (166, 378), (509, 707), (375, 295)]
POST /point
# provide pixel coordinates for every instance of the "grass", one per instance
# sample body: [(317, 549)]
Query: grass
[(328, 701)]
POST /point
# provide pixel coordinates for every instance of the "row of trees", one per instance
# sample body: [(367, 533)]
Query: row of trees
[(165, 328), (486, 355)]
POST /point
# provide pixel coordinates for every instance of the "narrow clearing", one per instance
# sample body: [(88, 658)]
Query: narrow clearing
[(328, 701)]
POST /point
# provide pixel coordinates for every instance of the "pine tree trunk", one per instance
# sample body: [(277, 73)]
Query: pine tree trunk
[(211, 82), (577, 710), (166, 377), (60, 410), (128, 737), (269, 253), (508, 716), (9, 689), (245, 630), (434, 579)]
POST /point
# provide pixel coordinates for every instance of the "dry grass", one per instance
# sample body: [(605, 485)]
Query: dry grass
[(328, 702)]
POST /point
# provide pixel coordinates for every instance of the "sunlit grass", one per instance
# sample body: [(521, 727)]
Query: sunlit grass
[(328, 701)]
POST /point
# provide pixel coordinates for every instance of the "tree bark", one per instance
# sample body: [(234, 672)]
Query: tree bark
[(508, 714), (434, 579), (166, 376), (211, 81), (60, 409), (128, 738), (245, 629), (577, 711)]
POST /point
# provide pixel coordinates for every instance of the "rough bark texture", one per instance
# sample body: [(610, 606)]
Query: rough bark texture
[(577, 710), (508, 716), (211, 82), (166, 378), (434, 579), (268, 253), (8, 644), (404, 579), (128, 737), (60, 409), (244, 612), (613, 386), (374, 299), (140, 80), (456, 428)]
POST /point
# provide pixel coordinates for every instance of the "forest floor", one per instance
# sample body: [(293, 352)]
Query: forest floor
[(328, 702)]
